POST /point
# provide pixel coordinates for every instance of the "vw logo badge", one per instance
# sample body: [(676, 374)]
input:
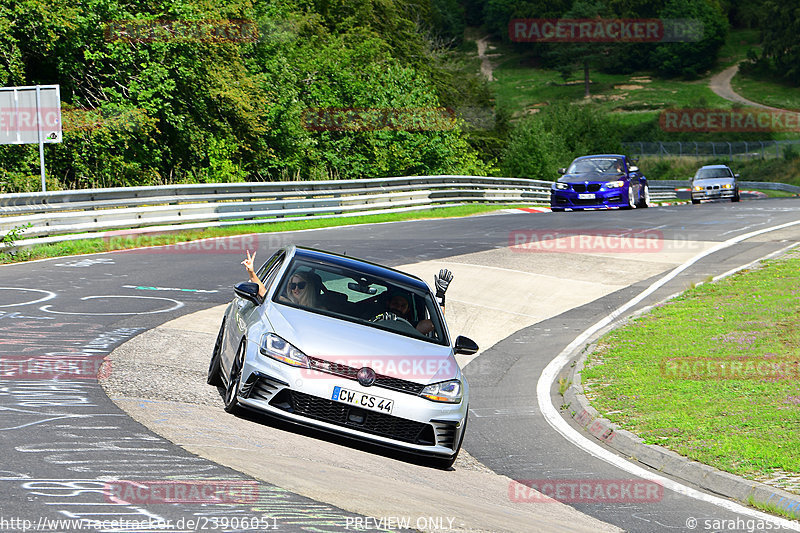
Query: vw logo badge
[(366, 376)]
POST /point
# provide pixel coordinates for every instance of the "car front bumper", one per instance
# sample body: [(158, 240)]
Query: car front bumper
[(714, 194), (305, 396), (566, 199)]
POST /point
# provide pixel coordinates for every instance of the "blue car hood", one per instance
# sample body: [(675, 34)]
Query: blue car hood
[(591, 177)]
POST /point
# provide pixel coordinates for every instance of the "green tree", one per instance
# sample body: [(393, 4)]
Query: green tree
[(550, 139), (691, 59), (780, 30), (568, 56)]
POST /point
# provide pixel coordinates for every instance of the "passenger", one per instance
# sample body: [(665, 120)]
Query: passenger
[(302, 289), (248, 266)]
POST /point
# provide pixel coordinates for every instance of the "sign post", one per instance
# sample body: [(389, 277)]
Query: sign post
[(31, 115)]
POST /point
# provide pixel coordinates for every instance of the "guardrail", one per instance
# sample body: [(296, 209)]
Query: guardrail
[(764, 185), (94, 213)]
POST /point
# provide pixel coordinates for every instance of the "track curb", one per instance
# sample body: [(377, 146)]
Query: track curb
[(632, 446)]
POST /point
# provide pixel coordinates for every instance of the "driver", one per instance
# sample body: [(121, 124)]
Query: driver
[(399, 305)]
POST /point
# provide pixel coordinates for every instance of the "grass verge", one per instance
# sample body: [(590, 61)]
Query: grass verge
[(699, 374), (119, 242)]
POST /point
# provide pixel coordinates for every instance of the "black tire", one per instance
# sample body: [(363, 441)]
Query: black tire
[(232, 390), (445, 463), (695, 202), (736, 197), (214, 367), (557, 209), (644, 199)]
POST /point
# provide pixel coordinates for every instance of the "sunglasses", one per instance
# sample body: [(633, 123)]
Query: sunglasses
[(299, 285)]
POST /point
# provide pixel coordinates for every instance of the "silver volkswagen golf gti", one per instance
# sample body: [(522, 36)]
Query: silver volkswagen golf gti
[(346, 346)]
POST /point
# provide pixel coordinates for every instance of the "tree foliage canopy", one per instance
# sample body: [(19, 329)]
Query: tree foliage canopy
[(186, 109)]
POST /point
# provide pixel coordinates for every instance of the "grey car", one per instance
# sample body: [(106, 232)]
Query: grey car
[(714, 182), (345, 361)]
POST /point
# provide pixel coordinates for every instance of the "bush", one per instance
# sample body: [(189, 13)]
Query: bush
[(691, 59), (550, 139)]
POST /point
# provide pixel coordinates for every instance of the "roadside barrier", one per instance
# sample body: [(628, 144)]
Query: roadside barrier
[(41, 218)]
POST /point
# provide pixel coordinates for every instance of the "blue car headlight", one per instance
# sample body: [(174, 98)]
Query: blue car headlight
[(276, 348), (614, 184), (445, 391), (560, 186)]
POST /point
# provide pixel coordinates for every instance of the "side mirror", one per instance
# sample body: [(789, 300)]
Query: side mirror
[(633, 168), (562, 170), (736, 176), (465, 346), (247, 290)]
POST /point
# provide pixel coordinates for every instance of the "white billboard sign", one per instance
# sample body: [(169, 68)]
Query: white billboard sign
[(31, 115)]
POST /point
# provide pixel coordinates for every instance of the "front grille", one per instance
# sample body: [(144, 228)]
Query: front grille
[(579, 187), (348, 416), (348, 372), (594, 187)]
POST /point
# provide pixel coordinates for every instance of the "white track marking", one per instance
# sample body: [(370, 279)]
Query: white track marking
[(558, 423), (49, 295), (177, 305)]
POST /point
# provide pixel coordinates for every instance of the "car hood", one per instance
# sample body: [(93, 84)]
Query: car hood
[(713, 181), (355, 345), (591, 177)]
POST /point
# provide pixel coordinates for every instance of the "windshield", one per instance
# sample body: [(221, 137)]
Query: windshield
[(366, 299), (706, 173), (606, 165)]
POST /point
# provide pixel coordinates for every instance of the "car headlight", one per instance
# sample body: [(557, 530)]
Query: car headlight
[(560, 186), (280, 350), (446, 391), (614, 184), (727, 186), (698, 187)]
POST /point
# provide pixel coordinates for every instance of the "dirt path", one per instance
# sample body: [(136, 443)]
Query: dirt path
[(487, 69), (721, 84)]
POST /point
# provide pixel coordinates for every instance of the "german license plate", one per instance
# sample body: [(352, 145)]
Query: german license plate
[(586, 196), (359, 399)]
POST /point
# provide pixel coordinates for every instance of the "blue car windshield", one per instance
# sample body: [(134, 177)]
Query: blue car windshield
[(363, 298), (606, 165)]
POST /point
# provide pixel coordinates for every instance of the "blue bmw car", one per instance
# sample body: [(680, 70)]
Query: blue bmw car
[(600, 182)]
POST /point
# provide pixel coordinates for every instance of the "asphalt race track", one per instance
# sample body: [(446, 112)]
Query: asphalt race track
[(65, 443)]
